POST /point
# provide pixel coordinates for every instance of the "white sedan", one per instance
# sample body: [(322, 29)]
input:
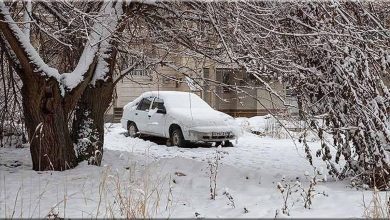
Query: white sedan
[(180, 116)]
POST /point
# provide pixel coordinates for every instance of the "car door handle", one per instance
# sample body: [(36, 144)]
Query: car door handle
[(136, 113), (149, 116)]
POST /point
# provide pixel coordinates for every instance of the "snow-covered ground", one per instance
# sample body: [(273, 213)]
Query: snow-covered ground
[(140, 178)]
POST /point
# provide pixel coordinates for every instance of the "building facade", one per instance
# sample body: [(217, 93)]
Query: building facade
[(224, 87)]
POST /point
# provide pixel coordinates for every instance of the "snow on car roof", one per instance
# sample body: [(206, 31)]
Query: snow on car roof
[(174, 99)]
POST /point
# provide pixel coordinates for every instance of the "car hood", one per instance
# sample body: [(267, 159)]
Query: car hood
[(204, 118)]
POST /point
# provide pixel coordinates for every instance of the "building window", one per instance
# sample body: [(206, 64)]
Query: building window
[(206, 88), (140, 70), (225, 75), (290, 92), (206, 73)]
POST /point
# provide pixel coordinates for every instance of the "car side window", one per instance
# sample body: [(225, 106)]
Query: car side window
[(144, 104), (158, 103)]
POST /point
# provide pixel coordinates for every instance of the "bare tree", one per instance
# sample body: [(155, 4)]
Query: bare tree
[(48, 96), (82, 82), (335, 57)]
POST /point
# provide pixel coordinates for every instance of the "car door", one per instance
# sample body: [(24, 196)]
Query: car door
[(157, 117), (141, 114)]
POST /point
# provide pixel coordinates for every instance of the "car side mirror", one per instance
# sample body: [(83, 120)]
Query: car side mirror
[(162, 111)]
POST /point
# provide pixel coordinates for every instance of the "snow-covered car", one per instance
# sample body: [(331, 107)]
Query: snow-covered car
[(180, 116)]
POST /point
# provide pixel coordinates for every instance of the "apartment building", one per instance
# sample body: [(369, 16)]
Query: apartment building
[(226, 88)]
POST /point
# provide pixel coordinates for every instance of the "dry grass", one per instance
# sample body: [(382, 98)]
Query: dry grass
[(128, 193), (378, 207), (131, 194)]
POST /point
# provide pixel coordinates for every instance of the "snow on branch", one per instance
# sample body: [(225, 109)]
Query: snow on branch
[(23, 40), (27, 19), (98, 44), (96, 49)]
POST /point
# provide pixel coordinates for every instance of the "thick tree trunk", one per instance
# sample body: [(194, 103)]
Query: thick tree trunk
[(46, 122), (88, 123)]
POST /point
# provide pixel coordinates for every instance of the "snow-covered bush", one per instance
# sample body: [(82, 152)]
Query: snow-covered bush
[(294, 192), (277, 128), (340, 80), (229, 197), (214, 163), (87, 137), (273, 126)]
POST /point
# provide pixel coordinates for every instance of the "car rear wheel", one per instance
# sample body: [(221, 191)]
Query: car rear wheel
[(177, 138), (132, 130)]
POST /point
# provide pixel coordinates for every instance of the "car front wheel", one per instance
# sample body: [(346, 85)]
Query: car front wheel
[(132, 130), (177, 138), (226, 143)]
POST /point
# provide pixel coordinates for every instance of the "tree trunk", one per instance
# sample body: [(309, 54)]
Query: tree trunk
[(88, 122), (46, 122)]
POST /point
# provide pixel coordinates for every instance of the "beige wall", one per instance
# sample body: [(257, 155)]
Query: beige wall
[(268, 100)]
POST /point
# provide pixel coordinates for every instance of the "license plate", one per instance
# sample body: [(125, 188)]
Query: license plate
[(220, 133)]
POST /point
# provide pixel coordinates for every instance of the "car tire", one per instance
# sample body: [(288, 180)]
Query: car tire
[(224, 143), (227, 144), (217, 143), (177, 138), (132, 130)]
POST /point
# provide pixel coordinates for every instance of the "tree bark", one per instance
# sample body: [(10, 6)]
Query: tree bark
[(46, 122), (88, 123)]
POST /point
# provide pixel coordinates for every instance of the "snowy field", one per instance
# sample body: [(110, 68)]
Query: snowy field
[(146, 178)]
